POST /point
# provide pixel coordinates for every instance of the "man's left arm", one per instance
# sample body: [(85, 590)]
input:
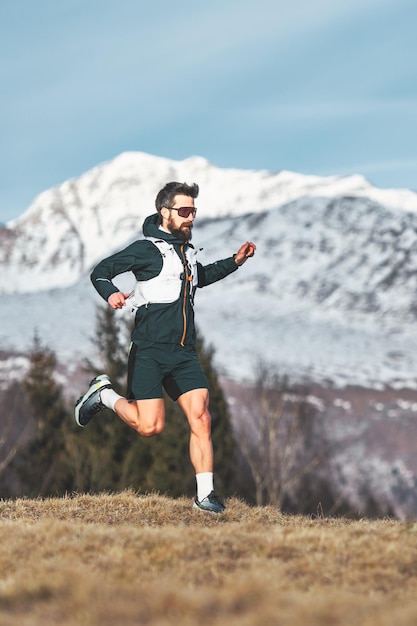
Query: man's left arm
[(208, 274), (244, 253)]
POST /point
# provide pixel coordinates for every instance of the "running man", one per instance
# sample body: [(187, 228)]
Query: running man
[(163, 353)]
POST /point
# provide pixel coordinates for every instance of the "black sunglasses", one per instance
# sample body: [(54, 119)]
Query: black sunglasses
[(184, 211)]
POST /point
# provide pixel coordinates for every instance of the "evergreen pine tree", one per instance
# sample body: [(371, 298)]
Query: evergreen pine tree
[(111, 339), (42, 464), (99, 451)]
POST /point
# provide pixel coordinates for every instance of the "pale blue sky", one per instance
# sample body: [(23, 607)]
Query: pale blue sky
[(314, 86)]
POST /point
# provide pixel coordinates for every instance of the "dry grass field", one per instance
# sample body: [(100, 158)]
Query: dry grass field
[(125, 559)]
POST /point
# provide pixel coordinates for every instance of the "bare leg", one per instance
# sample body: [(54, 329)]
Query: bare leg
[(195, 406), (147, 417)]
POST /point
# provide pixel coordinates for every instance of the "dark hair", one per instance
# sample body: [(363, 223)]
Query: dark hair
[(166, 196)]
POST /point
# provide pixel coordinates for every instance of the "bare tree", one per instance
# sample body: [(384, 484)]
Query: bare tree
[(275, 436), (16, 428)]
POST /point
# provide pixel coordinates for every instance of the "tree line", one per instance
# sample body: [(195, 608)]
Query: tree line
[(44, 453), (265, 456)]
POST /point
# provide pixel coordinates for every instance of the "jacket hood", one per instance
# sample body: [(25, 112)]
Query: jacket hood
[(150, 226), (151, 229)]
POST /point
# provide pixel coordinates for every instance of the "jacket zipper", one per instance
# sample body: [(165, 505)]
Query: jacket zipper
[(184, 300)]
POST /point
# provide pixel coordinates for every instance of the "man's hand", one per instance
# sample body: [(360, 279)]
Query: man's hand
[(117, 300), (244, 252)]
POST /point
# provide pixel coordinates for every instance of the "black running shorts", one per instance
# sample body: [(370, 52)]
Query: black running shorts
[(153, 367)]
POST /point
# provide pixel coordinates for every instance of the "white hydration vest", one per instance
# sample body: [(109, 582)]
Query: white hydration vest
[(166, 287)]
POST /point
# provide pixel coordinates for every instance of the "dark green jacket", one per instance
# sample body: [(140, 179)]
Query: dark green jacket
[(166, 323)]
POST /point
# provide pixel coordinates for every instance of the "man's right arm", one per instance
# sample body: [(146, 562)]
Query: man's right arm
[(141, 257), (102, 276)]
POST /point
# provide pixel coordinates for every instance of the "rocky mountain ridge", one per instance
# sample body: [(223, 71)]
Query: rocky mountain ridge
[(328, 297), (68, 228)]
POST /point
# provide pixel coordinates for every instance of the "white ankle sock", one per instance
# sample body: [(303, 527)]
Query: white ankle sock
[(109, 397), (204, 485)]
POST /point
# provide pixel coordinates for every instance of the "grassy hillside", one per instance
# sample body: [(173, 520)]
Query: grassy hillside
[(124, 559)]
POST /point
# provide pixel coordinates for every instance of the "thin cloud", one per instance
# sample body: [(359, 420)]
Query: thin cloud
[(385, 166), (329, 110)]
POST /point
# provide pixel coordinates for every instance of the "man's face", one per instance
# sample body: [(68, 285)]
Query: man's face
[(179, 226)]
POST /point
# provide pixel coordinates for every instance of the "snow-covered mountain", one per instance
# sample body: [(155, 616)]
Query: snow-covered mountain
[(329, 295)]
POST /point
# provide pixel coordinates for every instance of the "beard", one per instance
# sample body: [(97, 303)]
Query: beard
[(183, 234)]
